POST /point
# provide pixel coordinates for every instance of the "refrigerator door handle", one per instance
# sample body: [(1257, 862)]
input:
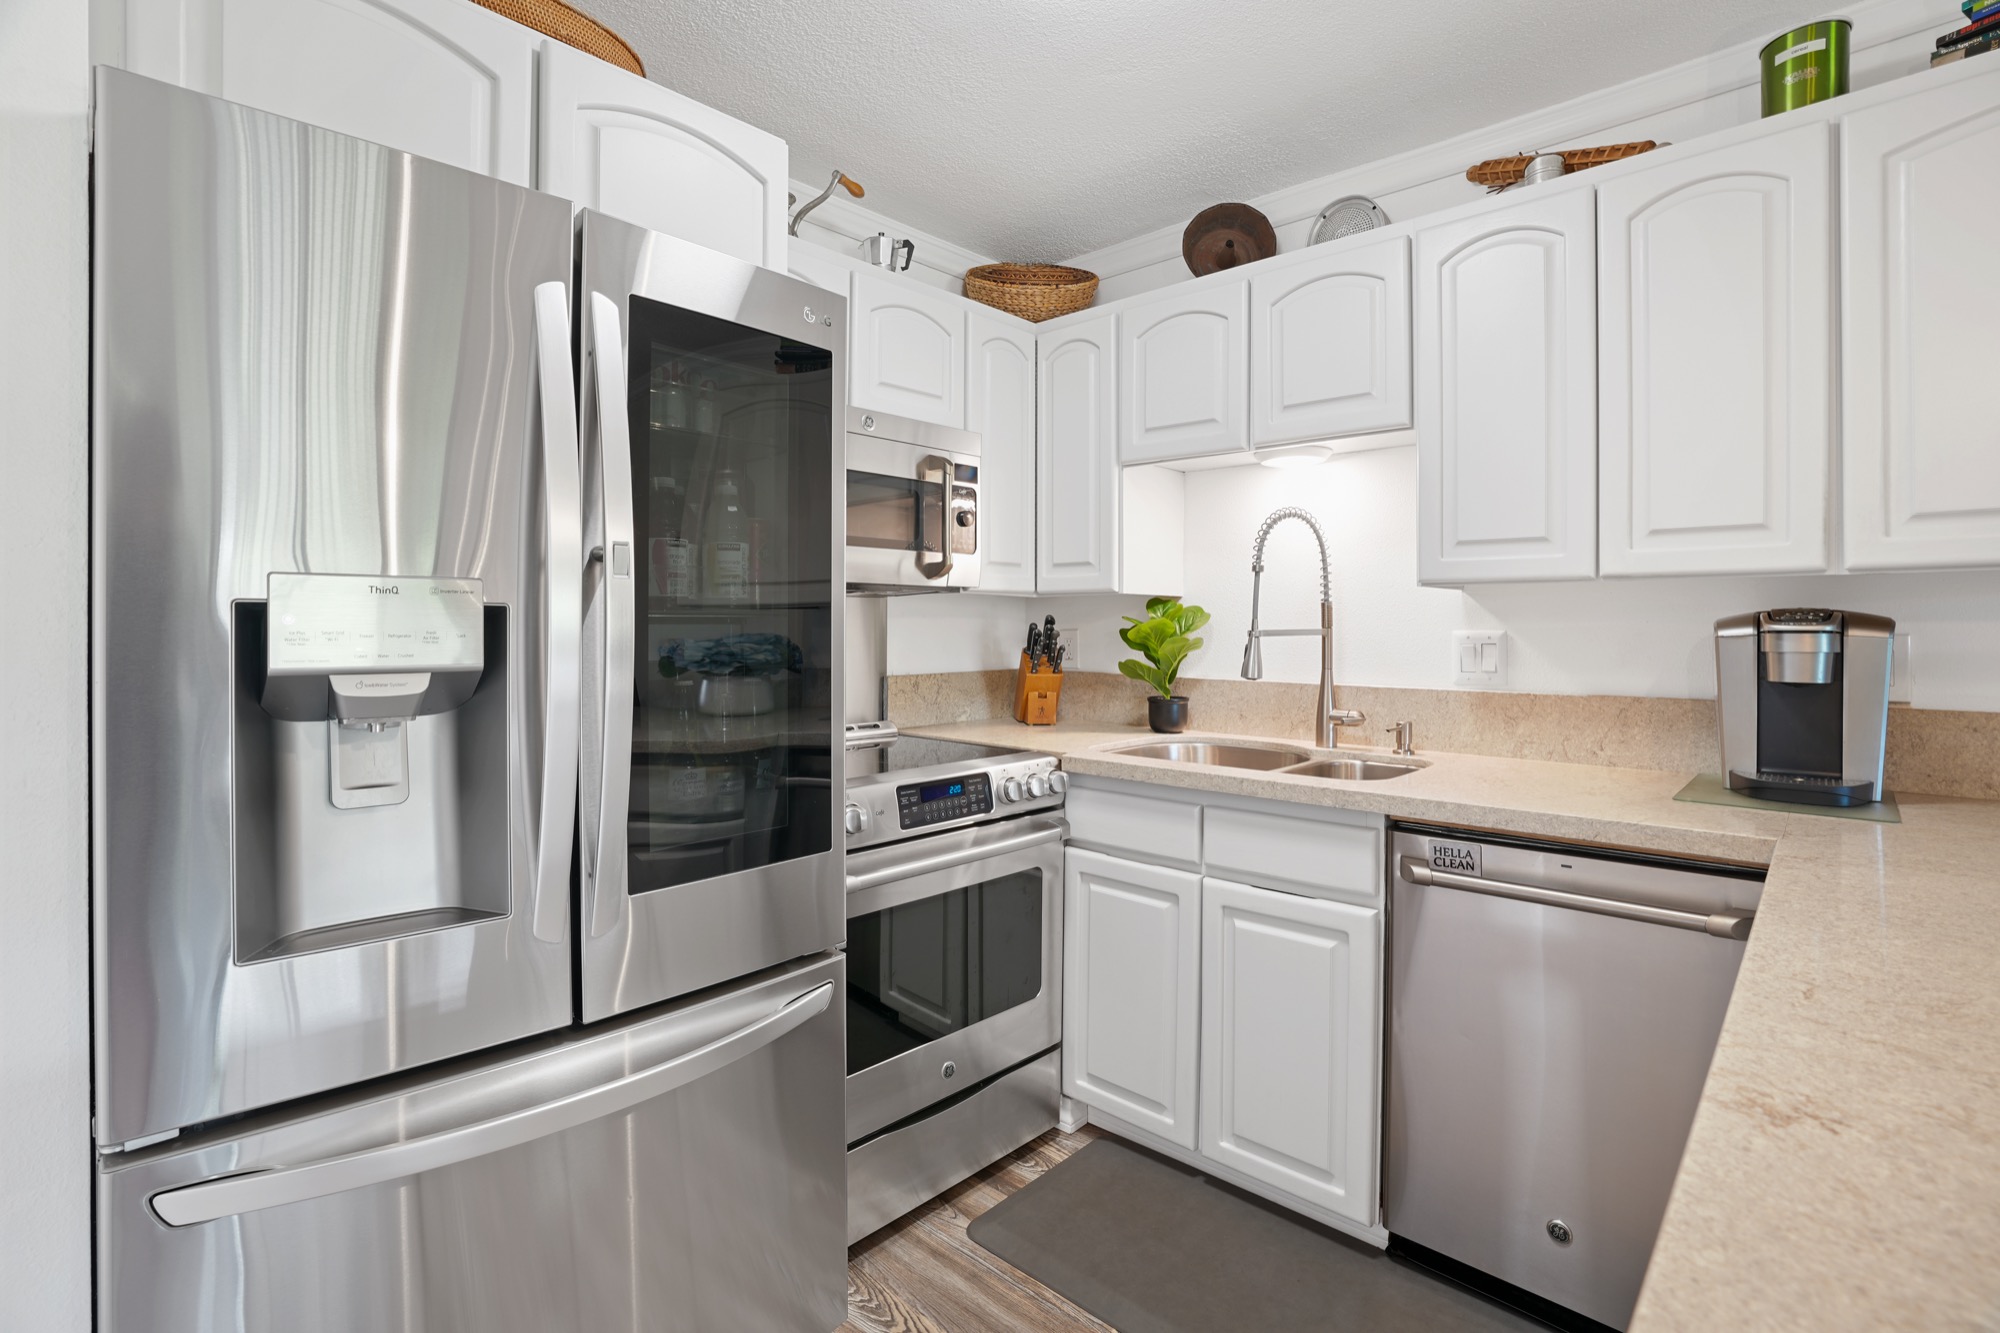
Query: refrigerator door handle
[(227, 1196), (604, 865), (562, 608)]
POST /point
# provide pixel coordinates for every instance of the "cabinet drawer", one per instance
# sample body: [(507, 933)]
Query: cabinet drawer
[(1316, 857), (1163, 832)]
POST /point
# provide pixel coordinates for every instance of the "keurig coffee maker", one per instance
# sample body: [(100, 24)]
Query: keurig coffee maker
[(1803, 697)]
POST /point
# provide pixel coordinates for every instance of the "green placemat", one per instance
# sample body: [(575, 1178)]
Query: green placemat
[(1707, 789)]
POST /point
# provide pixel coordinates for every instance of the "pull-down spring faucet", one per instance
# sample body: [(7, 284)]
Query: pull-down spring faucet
[(1327, 717)]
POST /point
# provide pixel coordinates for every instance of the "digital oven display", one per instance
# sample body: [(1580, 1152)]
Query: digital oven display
[(943, 802)]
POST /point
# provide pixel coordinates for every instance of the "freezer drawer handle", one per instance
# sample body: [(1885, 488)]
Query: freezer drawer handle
[(230, 1195), (1726, 925)]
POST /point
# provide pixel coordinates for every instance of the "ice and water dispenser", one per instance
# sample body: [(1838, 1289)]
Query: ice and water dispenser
[(371, 761)]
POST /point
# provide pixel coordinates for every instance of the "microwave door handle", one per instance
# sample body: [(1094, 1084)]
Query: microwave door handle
[(932, 466), (227, 1196), (604, 864), (562, 609)]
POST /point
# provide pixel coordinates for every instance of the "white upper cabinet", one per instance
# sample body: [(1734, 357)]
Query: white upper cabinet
[(1077, 466), (1290, 1009), (1921, 191), (443, 79), (1132, 990), (1000, 406), (906, 342), (819, 266), (1183, 360), (1715, 359), (1330, 343), (1506, 392), (624, 145)]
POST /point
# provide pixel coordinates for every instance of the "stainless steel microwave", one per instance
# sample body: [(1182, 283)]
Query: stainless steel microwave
[(912, 505)]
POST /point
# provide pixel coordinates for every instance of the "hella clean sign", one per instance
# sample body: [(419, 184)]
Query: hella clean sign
[(1458, 858)]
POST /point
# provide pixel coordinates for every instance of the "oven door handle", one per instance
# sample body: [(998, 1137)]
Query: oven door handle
[(906, 861), (933, 465)]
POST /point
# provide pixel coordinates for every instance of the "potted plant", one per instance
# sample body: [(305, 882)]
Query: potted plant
[(1165, 638)]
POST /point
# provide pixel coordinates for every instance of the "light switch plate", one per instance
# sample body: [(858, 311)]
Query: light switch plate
[(1479, 659), (1901, 670)]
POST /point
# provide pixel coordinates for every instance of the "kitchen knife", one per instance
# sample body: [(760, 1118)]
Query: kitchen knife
[(1055, 664)]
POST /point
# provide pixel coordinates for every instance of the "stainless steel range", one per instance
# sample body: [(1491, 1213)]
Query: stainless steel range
[(954, 948)]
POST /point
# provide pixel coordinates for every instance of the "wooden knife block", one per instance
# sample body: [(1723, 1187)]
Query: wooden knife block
[(1036, 694)]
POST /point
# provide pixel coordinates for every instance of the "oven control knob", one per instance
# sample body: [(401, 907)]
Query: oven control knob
[(1058, 782), (1038, 786), (1010, 790), (856, 820)]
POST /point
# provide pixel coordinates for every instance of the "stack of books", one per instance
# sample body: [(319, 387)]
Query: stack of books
[(1980, 34)]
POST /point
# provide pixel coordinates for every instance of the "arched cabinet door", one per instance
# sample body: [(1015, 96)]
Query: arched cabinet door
[(1330, 343), (625, 146), (1920, 179), (1077, 476), (1506, 392), (907, 344), (442, 79), (1183, 359), (1715, 359), (1000, 406)]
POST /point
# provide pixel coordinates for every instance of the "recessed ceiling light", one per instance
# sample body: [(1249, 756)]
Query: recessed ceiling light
[(1304, 455)]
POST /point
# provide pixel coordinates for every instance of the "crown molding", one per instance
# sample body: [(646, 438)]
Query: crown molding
[(842, 223)]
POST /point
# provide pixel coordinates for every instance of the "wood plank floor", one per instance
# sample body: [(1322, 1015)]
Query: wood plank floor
[(923, 1274)]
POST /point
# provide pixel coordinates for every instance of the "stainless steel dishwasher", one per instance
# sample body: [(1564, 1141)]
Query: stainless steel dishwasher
[(1552, 1018)]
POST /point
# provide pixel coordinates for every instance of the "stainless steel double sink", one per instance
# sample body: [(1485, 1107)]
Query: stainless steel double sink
[(1298, 763)]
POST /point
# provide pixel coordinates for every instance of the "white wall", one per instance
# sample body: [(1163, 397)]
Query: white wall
[(45, 1161), (1891, 38), (1607, 636)]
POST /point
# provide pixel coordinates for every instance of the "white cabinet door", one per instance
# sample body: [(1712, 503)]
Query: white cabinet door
[(1131, 990), (819, 266), (440, 78), (1000, 405), (1715, 360), (907, 347), (1506, 393), (1183, 360), (624, 145), (1289, 1049), (1076, 513), (1921, 189), (1330, 344)]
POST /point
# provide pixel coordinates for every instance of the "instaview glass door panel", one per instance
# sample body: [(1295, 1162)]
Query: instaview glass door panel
[(327, 652), (732, 460), (713, 490)]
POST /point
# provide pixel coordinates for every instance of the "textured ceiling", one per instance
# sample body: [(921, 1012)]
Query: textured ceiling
[(1042, 129)]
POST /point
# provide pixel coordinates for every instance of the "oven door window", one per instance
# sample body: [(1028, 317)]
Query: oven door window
[(922, 970)]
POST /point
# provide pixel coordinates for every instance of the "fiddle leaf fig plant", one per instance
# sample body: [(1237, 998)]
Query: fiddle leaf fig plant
[(1164, 638)]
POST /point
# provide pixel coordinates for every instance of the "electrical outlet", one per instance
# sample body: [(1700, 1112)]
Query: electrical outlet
[(1479, 659), (1072, 648), (1901, 670)]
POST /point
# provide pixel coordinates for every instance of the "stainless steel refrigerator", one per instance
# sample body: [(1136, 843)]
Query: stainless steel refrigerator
[(375, 1048)]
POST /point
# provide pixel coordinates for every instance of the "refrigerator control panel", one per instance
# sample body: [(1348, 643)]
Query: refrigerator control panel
[(365, 646)]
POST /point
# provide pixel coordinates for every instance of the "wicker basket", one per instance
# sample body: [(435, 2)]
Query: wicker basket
[(1032, 291), (1504, 171), (553, 18)]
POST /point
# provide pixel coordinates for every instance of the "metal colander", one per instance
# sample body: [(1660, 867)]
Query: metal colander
[(1344, 217)]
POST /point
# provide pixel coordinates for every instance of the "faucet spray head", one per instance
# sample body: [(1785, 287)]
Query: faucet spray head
[(1253, 651)]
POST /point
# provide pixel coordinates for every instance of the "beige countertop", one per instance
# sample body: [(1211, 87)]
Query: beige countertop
[(1844, 1166)]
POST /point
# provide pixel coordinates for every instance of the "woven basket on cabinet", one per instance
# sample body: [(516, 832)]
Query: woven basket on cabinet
[(1032, 291), (553, 18)]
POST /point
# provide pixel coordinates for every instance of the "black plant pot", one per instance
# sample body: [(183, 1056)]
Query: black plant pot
[(1167, 715)]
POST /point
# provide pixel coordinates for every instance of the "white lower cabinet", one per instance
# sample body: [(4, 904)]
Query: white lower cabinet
[(1131, 969), (1289, 1042), (1232, 1025)]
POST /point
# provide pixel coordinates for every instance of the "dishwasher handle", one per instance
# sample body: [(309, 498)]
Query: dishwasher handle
[(1724, 925)]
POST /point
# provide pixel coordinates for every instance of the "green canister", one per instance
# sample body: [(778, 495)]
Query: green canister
[(1805, 65)]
